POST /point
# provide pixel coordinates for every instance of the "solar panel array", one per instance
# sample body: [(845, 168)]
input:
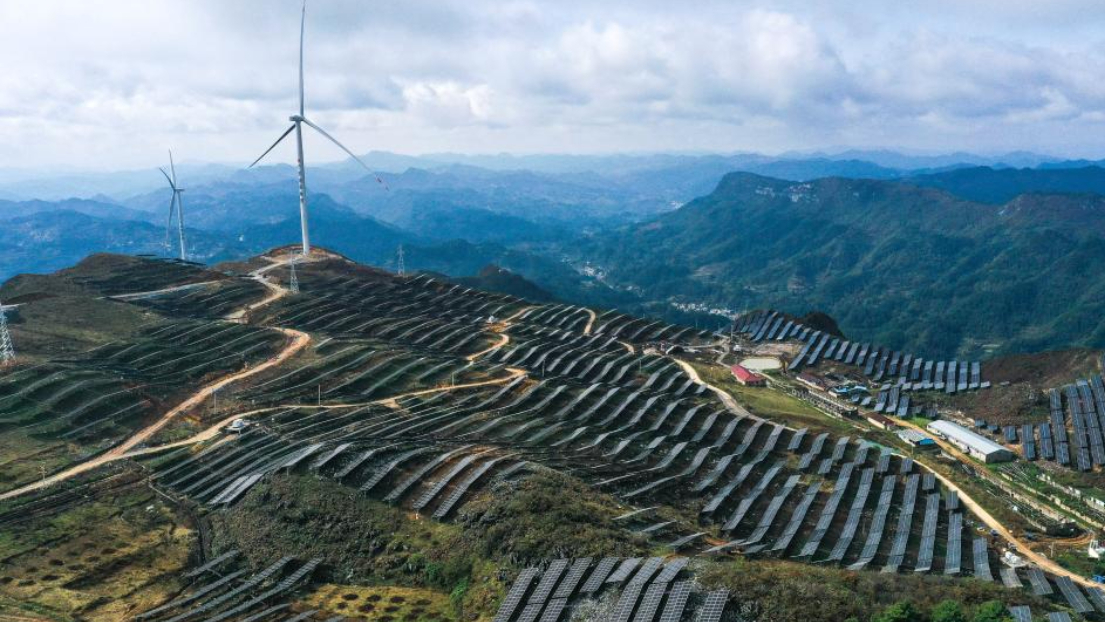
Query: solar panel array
[(928, 533), (1073, 595), (953, 556), (905, 520), (517, 592), (1040, 585), (981, 560), (907, 371), (713, 606)]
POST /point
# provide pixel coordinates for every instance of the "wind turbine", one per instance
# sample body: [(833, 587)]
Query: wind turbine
[(176, 204), (298, 120)]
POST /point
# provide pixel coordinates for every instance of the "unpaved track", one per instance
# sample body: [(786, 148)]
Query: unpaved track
[(590, 322), (724, 396), (299, 341), (1023, 548), (216, 429)]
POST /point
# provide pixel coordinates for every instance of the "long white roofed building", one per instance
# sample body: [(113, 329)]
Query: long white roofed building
[(973, 443)]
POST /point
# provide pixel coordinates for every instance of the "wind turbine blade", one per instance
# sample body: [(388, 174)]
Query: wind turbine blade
[(167, 178), (345, 149), (172, 167), (302, 29), (282, 137)]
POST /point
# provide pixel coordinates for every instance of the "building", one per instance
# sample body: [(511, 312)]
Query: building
[(879, 421), (812, 381), (915, 438), (974, 444), (747, 377)]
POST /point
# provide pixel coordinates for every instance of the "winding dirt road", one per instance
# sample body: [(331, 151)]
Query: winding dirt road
[(298, 341)]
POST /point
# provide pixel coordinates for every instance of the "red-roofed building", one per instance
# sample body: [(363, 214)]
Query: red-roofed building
[(747, 377)]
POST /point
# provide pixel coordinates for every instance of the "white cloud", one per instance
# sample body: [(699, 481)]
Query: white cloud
[(112, 83)]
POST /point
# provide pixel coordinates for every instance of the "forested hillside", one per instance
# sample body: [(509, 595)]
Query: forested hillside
[(912, 267)]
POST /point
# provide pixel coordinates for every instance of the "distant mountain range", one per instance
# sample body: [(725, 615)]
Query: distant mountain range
[(947, 258)]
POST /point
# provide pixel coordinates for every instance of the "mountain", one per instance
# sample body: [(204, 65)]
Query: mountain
[(893, 262), (990, 185), (100, 208)]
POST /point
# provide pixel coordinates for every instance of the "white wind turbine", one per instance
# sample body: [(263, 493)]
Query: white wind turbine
[(297, 124), (176, 204)]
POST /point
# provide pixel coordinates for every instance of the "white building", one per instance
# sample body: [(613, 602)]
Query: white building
[(976, 445)]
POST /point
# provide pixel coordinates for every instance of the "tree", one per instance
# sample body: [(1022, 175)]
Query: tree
[(991, 611), (948, 611), (899, 612)]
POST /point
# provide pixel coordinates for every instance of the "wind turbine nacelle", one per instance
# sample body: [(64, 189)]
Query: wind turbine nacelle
[(295, 118)]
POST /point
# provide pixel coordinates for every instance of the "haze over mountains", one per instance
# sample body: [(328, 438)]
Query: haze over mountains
[(956, 254)]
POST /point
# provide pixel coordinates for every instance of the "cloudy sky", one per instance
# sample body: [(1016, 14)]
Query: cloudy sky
[(112, 83)]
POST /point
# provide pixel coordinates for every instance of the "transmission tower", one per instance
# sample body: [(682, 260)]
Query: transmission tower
[(401, 269), (293, 282), (7, 350)]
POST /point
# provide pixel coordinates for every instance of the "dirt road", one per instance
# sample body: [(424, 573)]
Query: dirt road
[(1024, 549), (298, 341)]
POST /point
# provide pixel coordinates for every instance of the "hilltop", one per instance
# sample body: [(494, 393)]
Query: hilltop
[(406, 455)]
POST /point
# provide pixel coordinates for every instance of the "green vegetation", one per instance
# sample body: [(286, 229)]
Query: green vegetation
[(786, 591), (911, 268), (367, 542)]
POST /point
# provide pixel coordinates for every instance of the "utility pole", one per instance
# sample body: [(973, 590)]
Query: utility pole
[(400, 266), (293, 284), (7, 350)]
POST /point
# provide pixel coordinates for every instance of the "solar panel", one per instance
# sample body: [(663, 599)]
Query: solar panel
[(553, 611), (458, 492), (952, 504), (1009, 577), (928, 534), (827, 512), (599, 575), (982, 560), (677, 601), (954, 554), (671, 570), (905, 521), (626, 603), (530, 612), (1097, 597), (713, 606), (646, 611), (796, 440), (213, 563), (878, 524), (622, 573), (1039, 582), (797, 517), (1073, 595), (514, 596), (855, 513), (1020, 613), (1058, 616), (647, 569), (548, 581), (768, 517), (568, 586), (753, 495)]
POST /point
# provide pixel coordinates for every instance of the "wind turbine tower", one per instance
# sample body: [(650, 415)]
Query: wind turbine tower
[(176, 205), (298, 120), (7, 350)]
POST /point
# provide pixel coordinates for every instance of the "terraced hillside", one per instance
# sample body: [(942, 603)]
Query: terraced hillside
[(400, 447)]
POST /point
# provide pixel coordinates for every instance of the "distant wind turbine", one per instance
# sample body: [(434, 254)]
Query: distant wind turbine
[(176, 205), (297, 124)]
